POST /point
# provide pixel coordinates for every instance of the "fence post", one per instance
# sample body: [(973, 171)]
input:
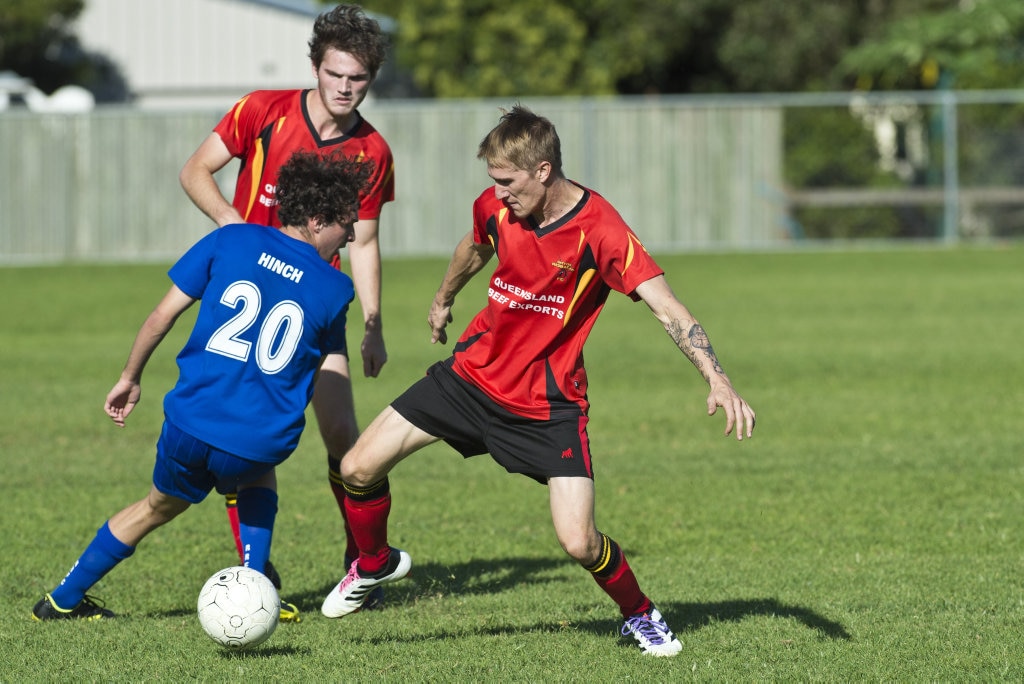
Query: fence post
[(951, 169)]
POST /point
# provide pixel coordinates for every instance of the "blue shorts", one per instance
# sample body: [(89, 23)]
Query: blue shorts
[(189, 468)]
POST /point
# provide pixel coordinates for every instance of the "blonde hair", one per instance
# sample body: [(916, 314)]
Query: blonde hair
[(522, 140)]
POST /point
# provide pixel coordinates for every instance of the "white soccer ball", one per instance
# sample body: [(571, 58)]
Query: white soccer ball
[(239, 607)]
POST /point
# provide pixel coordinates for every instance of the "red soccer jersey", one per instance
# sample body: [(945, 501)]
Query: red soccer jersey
[(265, 127), (525, 348)]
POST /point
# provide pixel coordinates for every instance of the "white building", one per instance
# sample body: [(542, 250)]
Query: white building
[(190, 54)]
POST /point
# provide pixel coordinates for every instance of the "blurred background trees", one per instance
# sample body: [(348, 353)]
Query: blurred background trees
[(480, 48)]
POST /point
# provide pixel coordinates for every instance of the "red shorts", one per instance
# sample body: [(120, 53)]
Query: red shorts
[(446, 406)]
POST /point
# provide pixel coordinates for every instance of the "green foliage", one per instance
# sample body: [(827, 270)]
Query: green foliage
[(479, 48), (968, 45), (870, 531), (32, 33)]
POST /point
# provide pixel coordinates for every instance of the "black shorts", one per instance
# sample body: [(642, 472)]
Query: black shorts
[(444, 405)]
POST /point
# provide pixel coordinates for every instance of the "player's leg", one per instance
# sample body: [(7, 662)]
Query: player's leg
[(257, 511), (387, 440), (114, 541), (572, 512), (231, 508), (256, 484), (334, 407)]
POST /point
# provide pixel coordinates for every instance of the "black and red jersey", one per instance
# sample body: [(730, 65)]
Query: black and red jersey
[(525, 348), (265, 127)]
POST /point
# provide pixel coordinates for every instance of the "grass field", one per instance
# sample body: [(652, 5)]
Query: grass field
[(871, 529)]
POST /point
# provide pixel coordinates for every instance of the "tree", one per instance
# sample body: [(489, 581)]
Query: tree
[(977, 44), (480, 48), (463, 48), (36, 41)]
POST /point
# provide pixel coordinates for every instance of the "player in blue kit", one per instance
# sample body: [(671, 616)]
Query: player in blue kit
[(271, 309)]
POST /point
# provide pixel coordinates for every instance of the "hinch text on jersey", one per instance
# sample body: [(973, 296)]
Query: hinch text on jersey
[(279, 267)]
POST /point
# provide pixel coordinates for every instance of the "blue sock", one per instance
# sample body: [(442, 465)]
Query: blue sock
[(103, 553), (257, 509)]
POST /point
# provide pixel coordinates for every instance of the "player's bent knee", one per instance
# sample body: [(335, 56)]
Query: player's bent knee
[(580, 550)]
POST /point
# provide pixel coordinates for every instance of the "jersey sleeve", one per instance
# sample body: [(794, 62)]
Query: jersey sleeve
[(191, 273), (623, 260), (381, 186), (237, 126), (334, 339)]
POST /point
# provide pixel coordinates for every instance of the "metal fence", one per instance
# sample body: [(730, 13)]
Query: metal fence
[(687, 173)]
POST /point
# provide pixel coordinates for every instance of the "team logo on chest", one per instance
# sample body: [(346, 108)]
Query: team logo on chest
[(564, 270)]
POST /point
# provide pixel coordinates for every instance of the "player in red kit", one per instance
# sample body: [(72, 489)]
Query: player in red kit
[(515, 386), (262, 130)]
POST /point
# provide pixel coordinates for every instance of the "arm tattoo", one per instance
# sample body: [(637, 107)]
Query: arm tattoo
[(692, 341)]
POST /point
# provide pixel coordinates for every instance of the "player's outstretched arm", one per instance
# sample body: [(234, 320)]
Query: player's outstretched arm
[(125, 394), (197, 180), (467, 260), (692, 340)]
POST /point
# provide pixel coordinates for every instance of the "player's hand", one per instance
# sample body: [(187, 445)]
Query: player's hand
[(374, 353), (439, 317), (121, 400), (738, 413)]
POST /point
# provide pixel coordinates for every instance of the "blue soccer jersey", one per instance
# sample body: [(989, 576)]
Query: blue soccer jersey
[(270, 309)]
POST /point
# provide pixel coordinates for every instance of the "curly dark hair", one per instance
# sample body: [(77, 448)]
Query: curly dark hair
[(321, 187), (348, 29)]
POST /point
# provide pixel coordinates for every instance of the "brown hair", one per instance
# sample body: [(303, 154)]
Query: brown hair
[(347, 28)]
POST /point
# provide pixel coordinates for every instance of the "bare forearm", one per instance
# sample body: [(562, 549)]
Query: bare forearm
[(692, 340), (364, 261), (204, 192), (687, 333), (149, 337), (197, 179), (466, 262), (153, 330)]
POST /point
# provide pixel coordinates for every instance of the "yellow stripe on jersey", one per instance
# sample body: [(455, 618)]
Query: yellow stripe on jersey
[(238, 112), (634, 243), (581, 285)]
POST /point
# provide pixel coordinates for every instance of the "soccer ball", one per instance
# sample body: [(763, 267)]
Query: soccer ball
[(239, 607)]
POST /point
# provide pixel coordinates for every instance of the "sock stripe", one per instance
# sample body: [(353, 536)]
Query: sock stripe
[(608, 559), (376, 490)]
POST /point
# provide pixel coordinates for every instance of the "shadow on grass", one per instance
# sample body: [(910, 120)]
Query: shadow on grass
[(496, 575), (484, 576), (689, 617), (684, 618), (262, 652), (490, 576)]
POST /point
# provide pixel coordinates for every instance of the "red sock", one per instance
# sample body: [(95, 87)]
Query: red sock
[(613, 574), (338, 489), (369, 523), (231, 506)]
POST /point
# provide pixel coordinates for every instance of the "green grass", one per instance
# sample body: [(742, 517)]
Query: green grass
[(871, 530)]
